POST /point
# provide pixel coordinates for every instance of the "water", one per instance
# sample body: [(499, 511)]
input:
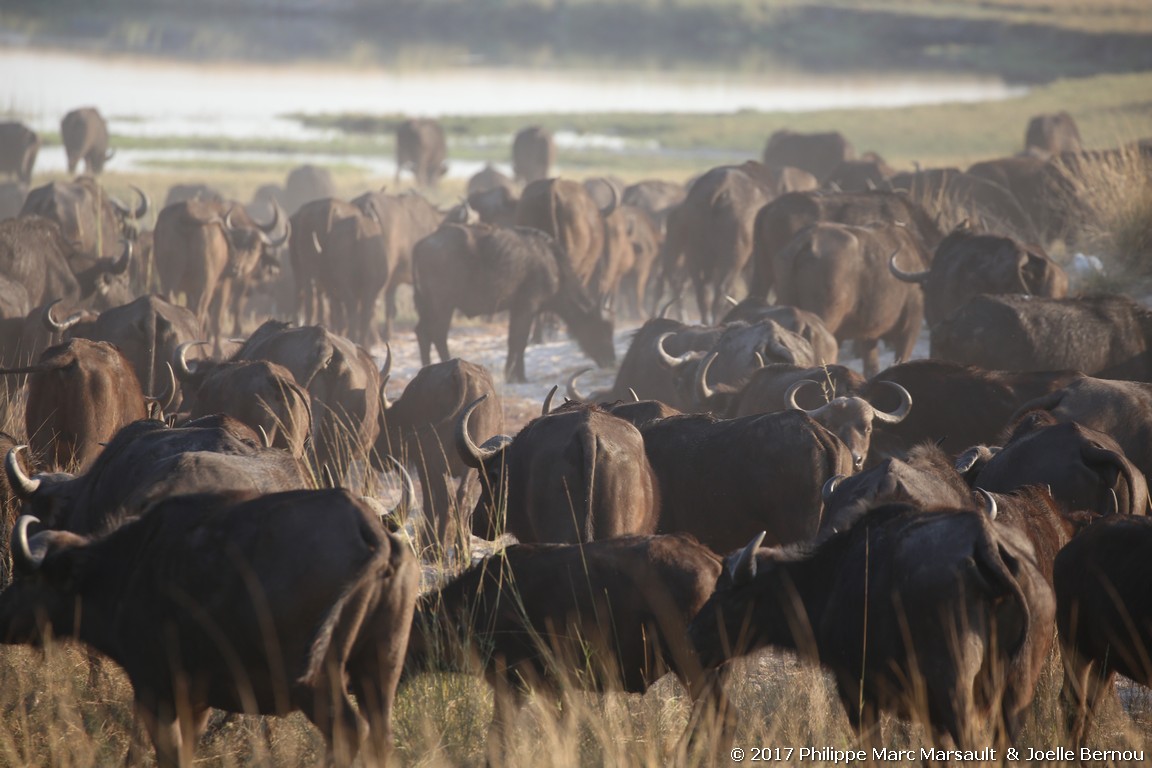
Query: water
[(153, 98), (148, 97)]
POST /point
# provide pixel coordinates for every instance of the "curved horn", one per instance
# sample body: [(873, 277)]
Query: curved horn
[(790, 396), (121, 265), (704, 393), (731, 301), (635, 397), (316, 243), (829, 486), (133, 213), (470, 454), (55, 327), (407, 487), (329, 478), (573, 393), (264, 439), (181, 355), (270, 227), (667, 305), (609, 207), (759, 360), (990, 507), (901, 412), (387, 367), (907, 277), (268, 241), (172, 387), (23, 485), (384, 403), (21, 550), (548, 400), (834, 187), (742, 566), (671, 362)]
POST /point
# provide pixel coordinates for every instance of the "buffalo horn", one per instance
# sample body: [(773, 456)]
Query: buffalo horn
[(907, 277), (55, 327), (632, 393), (470, 454), (573, 393), (264, 439), (407, 488), (23, 485), (384, 404), (387, 367), (759, 360), (316, 244), (270, 227), (901, 412), (990, 508), (610, 206), (329, 478), (181, 354), (731, 300), (667, 306), (121, 265), (742, 565), (139, 211), (547, 408), (790, 396), (829, 486), (704, 393), (21, 549), (171, 394), (671, 362), (268, 241)]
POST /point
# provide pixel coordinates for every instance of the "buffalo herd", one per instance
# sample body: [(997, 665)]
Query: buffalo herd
[(203, 414)]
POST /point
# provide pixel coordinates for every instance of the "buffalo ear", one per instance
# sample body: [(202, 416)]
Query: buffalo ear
[(741, 566)]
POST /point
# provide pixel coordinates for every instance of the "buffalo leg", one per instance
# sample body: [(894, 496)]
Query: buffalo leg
[(389, 309), (869, 355), (174, 735), (519, 326), (1086, 682)]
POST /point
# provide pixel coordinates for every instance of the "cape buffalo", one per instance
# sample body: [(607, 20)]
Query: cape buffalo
[(565, 210), (533, 154), (1120, 409), (94, 221), (311, 227), (19, 146), (480, 269), (951, 196), (956, 405), (1044, 191), (147, 461), (1050, 134), (778, 223), (712, 232), (766, 391), (85, 137), (937, 615), (419, 428), (808, 325), (1105, 336), (421, 148), (925, 477), (576, 475), (840, 273), (850, 418), (209, 252), (79, 395), (489, 178), (723, 480), (262, 395), (306, 183), (968, 263), (1101, 579), (860, 175), (603, 615), (817, 153), (656, 197), (341, 378), (1082, 469), (203, 602), (35, 253), (12, 197)]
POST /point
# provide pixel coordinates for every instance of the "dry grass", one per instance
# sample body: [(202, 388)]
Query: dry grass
[(1116, 195)]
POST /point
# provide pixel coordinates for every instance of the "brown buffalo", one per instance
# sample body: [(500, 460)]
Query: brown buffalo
[(306, 183), (954, 627), (421, 148), (19, 146), (565, 210), (188, 598), (606, 614), (817, 153), (840, 273), (94, 221), (85, 137), (1050, 134), (79, 395), (480, 269), (419, 428), (576, 475), (209, 252), (850, 418), (1101, 580), (1044, 191), (533, 154), (968, 263)]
